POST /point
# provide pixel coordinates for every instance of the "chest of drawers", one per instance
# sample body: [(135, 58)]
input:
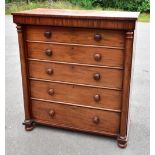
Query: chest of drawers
[(76, 69)]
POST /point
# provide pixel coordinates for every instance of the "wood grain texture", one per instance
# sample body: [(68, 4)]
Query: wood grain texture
[(83, 117), (122, 139), (77, 105), (78, 74), (74, 63), (77, 94), (68, 22), (76, 69), (85, 14), (77, 84), (24, 70), (75, 35), (62, 126), (69, 18), (72, 53)]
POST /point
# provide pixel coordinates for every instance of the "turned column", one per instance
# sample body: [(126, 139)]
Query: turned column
[(24, 70), (122, 138)]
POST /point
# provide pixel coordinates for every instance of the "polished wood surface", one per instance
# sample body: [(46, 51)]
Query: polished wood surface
[(75, 36), (76, 117), (80, 18), (119, 15), (75, 94), (78, 74), (76, 69), (25, 81), (126, 89), (76, 53)]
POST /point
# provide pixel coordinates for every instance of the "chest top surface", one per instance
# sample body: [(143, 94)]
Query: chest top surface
[(77, 18), (90, 14)]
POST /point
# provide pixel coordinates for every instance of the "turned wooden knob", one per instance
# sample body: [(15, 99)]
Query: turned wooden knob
[(47, 34), (97, 76), (97, 97), (49, 71), (48, 52), (97, 57), (98, 37), (96, 120), (51, 113), (51, 92)]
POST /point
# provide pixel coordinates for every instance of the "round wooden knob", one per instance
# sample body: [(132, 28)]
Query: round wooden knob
[(47, 34), (97, 97), (96, 120), (51, 113), (51, 92), (97, 76), (98, 37), (49, 71), (48, 52), (97, 57)]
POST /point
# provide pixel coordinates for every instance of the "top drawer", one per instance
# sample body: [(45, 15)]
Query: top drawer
[(99, 37)]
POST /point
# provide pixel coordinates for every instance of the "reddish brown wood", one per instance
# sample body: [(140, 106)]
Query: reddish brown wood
[(78, 84), (62, 126), (79, 95), (122, 138), (78, 18), (75, 35), (76, 69), (111, 57), (85, 14), (24, 70), (83, 118), (111, 78)]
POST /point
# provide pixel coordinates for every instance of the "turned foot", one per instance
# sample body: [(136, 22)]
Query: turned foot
[(29, 125), (122, 142)]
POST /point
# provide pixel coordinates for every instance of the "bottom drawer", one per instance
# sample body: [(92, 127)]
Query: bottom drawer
[(86, 119)]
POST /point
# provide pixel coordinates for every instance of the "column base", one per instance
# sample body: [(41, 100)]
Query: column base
[(29, 125), (122, 142)]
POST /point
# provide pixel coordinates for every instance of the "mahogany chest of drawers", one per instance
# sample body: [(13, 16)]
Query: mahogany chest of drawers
[(76, 69)]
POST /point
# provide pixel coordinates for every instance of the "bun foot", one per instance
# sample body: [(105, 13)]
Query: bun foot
[(122, 142), (29, 125)]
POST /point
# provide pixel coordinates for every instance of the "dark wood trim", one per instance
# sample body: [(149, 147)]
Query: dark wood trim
[(73, 22), (24, 71), (29, 125), (122, 141), (76, 105), (70, 83), (77, 64), (122, 138)]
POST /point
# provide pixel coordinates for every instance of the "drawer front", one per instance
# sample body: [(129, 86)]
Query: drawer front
[(76, 54), (78, 74), (76, 117), (87, 96), (75, 35)]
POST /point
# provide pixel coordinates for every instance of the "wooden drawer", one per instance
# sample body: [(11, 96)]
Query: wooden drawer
[(76, 54), (102, 77), (74, 94), (75, 35), (76, 117)]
